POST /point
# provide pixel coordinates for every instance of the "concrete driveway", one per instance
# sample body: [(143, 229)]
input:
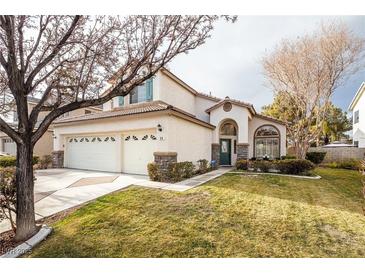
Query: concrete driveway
[(58, 189)]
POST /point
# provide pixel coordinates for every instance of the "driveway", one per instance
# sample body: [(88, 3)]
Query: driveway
[(59, 189)]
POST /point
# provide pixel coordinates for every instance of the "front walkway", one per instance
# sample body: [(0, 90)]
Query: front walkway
[(56, 190)]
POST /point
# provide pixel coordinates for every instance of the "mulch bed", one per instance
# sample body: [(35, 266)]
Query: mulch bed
[(7, 242)]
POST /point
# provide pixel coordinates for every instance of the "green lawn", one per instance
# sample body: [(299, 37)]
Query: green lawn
[(233, 216)]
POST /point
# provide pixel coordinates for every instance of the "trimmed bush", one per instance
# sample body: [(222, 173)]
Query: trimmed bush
[(262, 166), (296, 166), (288, 157), (315, 157), (6, 161), (203, 166), (45, 161), (153, 172), (8, 195), (242, 164), (179, 171), (352, 164)]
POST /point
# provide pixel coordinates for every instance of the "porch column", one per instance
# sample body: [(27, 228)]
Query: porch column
[(215, 152), (57, 158), (242, 151)]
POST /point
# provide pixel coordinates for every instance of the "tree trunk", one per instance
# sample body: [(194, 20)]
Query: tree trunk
[(25, 217)]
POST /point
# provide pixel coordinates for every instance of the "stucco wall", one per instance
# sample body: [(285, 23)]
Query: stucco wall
[(192, 142), (239, 114), (255, 123), (44, 146), (114, 125), (174, 94), (202, 104)]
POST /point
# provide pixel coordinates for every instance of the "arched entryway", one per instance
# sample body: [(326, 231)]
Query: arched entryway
[(228, 142), (267, 142)]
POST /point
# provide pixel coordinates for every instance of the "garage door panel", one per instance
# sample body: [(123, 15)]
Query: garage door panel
[(93, 153), (138, 149)]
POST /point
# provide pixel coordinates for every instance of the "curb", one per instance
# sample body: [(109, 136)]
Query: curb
[(29, 244), (317, 177)]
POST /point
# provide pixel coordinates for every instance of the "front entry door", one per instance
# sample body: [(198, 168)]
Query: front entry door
[(225, 151)]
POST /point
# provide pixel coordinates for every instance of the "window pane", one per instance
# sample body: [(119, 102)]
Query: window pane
[(267, 131), (228, 129)]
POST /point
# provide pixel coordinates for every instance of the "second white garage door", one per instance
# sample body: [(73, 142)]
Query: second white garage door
[(93, 153), (138, 149)]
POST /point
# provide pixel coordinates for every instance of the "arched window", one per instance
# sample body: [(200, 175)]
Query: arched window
[(228, 129), (267, 142)]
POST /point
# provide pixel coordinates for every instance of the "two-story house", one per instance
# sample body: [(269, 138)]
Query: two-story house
[(166, 120), (45, 145), (357, 107)]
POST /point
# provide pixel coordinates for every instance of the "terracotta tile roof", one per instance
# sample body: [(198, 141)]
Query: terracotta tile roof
[(233, 101), (123, 111), (146, 107), (269, 118)]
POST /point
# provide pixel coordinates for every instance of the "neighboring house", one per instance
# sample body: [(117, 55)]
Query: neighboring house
[(166, 120), (357, 107), (45, 144)]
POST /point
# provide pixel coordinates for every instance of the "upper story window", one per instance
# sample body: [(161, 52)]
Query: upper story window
[(356, 117), (120, 101), (142, 93)]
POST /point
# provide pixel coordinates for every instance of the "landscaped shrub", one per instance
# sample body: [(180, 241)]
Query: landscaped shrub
[(45, 162), (287, 157), (179, 171), (242, 164), (203, 166), (6, 161), (262, 166), (352, 164), (315, 157), (296, 166), (153, 172), (7, 195)]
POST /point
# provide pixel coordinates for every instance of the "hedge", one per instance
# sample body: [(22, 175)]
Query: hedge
[(315, 157), (288, 166), (296, 166), (6, 161)]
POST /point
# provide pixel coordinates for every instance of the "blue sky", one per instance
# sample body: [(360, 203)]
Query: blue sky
[(229, 63)]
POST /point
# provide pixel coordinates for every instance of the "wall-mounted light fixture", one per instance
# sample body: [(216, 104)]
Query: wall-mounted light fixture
[(159, 127)]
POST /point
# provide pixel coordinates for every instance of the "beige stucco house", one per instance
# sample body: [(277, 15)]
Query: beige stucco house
[(45, 144), (166, 120)]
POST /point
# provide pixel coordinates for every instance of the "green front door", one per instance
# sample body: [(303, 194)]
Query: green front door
[(225, 152)]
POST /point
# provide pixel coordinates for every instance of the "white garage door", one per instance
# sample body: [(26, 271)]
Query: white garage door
[(9, 146), (93, 153), (138, 149)]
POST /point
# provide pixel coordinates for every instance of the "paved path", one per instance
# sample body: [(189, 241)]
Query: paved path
[(60, 189)]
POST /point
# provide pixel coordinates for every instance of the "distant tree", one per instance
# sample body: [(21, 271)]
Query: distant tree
[(334, 126), (305, 72), (67, 62)]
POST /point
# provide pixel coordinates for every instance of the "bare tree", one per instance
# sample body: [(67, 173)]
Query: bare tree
[(67, 61), (305, 72)]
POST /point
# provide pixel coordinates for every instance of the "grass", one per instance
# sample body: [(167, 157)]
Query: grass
[(232, 216)]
